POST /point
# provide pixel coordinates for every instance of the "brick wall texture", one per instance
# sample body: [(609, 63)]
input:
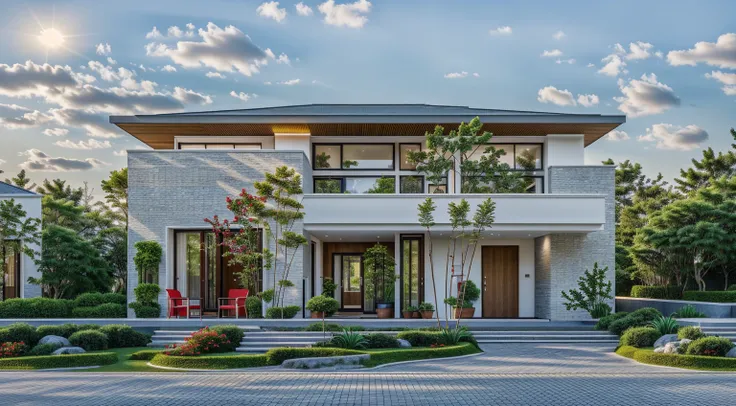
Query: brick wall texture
[(560, 259), (178, 189)]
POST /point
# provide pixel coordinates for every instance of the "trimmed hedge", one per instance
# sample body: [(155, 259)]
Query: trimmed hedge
[(690, 332), (412, 354), (103, 311), (43, 349), (122, 336), (18, 332), (36, 308), (92, 299), (276, 356), (639, 337), (90, 340), (418, 338), (59, 361), (254, 306), (234, 333), (211, 362), (710, 346), (656, 292), (146, 311), (605, 321), (717, 296), (144, 355), (379, 340), (638, 318), (648, 356), (288, 312)]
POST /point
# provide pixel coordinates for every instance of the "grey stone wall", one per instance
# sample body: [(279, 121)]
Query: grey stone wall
[(560, 259), (178, 189)]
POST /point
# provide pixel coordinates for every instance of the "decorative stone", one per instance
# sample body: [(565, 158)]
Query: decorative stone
[(667, 338), (55, 340), (731, 353), (69, 350), (659, 350), (670, 348), (403, 343), (323, 362)]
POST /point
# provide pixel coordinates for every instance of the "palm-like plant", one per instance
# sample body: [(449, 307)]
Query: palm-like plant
[(454, 336), (688, 312), (665, 325), (349, 339)]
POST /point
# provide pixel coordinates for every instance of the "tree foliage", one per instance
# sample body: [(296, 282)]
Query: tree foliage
[(593, 291), (18, 234), (147, 260)]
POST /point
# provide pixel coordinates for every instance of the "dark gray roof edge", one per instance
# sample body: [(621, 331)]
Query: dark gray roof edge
[(14, 190)]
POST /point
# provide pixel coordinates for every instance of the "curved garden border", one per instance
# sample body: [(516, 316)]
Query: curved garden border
[(59, 361), (697, 362)]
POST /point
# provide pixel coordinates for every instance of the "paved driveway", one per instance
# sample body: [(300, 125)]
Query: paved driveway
[(525, 374)]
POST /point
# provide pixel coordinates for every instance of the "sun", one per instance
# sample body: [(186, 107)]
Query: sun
[(51, 38)]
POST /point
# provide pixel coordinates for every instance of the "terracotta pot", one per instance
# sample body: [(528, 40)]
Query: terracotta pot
[(407, 315), (426, 314), (416, 315), (317, 315), (464, 313), (386, 313)]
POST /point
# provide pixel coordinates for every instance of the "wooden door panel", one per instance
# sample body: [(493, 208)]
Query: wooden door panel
[(500, 290)]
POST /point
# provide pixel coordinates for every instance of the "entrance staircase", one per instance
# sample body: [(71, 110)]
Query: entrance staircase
[(257, 340), (716, 327)]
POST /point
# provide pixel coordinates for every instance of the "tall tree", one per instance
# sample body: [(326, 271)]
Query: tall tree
[(17, 233), (58, 189), (21, 180), (112, 243), (116, 189), (708, 168)]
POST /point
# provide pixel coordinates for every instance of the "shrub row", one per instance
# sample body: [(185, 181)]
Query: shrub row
[(103, 311), (288, 312), (605, 321), (418, 338), (92, 299), (64, 330), (59, 361), (86, 305), (656, 292), (211, 362), (717, 296), (385, 357), (680, 361), (639, 318), (144, 355), (86, 336), (639, 337)]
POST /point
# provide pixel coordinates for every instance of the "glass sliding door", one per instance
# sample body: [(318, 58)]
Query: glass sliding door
[(412, 270), (11, 277)]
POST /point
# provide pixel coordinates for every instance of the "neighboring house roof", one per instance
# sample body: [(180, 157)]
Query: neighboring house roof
[(8, 189), (359, 119)]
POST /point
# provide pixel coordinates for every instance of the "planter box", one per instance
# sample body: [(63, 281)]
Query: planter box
[(667, 307)]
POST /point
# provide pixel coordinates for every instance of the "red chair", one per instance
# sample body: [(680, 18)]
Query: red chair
[(181, 306), (235, 300)]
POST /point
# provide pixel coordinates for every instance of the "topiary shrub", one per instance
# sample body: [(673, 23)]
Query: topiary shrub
[(323, 304), (719, 296), (43, 349), (89, 299), (19, 332), (233, 333), (638, 318), (690, 332), (62, 330), (143, 311), (605, 321), (288, 312), (254, 306), (90, 340), (146, 301), (103, 311), (147, 259), (639, 337), (418, 338), (118, 298), (710, 346), (381, 341), (36, 308), (122, 336), (656, 292)]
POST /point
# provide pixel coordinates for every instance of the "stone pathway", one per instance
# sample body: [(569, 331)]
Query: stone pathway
[(527, 374)]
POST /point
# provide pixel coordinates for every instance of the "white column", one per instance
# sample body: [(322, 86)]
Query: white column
[(563, 150)]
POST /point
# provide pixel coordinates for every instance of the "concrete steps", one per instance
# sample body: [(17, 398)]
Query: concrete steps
[(580, 336), (716, 327)]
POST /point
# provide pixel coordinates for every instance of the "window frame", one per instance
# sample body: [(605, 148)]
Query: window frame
[(178, 146), (421, 147), (514, 144), (16, 274), (422, 182), (534, 177), (342, 155), (343, 184)]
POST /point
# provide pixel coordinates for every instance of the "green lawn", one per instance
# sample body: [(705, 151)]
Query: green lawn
[(696, 362), (125, 364)]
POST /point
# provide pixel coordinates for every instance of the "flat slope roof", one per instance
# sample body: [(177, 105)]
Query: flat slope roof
[(8, 189)]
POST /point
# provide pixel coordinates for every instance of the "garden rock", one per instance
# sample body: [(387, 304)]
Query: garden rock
[(323, 362), (667, 338), (403, 343), (731, 353), (659, 350), (670, 348), (58, 341), (69, 350)]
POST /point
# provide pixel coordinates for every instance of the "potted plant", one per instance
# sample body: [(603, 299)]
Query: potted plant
[(409, 311), (463, 304), (328, 287), (322, 306), (426, 309), (379, 271)]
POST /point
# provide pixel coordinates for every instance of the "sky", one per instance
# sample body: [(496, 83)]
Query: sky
[(669, 66)]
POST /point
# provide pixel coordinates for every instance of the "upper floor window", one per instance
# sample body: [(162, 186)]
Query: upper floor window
[(213, 145), (404, 150), (353, 156), (526, 157)]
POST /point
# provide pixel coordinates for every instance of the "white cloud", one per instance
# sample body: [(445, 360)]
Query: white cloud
[(30, 79), (456, 75), (617, 135), (168, 68), (270, 9), (37, 160), (476, 74), (55, 132), (154, 34), (96, 125), (559, 35), (10, 119), (504, 30), (103, 49), (728, 79), (90, 144), (639, 50), (722, 53), (591, 65), (188, 96), (290, 82), (175, 32), (215, 75), (303, 9), (283, 58), (351, 15), (588, 100), (243, 96), (551, 54), (225, 50), (111, 61), (614, 65), (551, 94), (668, 136), (645, 96), (659, 54), (567, 61)]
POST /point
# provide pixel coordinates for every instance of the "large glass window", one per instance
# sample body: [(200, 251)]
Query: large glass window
[(327, 185), (404, 150), (526, 176), (11, 276), (327, 157), (358, 185), (438, 188), (412, 184), (187, 145), (368, 156), (412, 271), (528, 157)]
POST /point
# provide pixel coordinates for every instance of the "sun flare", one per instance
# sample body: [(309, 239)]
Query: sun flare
[(51, 38)]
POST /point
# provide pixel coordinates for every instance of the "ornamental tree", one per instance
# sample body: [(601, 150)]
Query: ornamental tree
[(17, 234), (591, 296), (147, 259)]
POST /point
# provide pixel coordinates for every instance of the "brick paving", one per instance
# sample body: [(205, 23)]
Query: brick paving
[(526, 374)]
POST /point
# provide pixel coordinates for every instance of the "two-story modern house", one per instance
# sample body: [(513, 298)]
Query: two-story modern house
[(539, 245)]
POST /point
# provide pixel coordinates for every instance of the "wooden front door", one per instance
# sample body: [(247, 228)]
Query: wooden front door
[(500, 291)]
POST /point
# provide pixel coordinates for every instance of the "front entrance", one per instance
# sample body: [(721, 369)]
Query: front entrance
[(351, 286), (500, 292)]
